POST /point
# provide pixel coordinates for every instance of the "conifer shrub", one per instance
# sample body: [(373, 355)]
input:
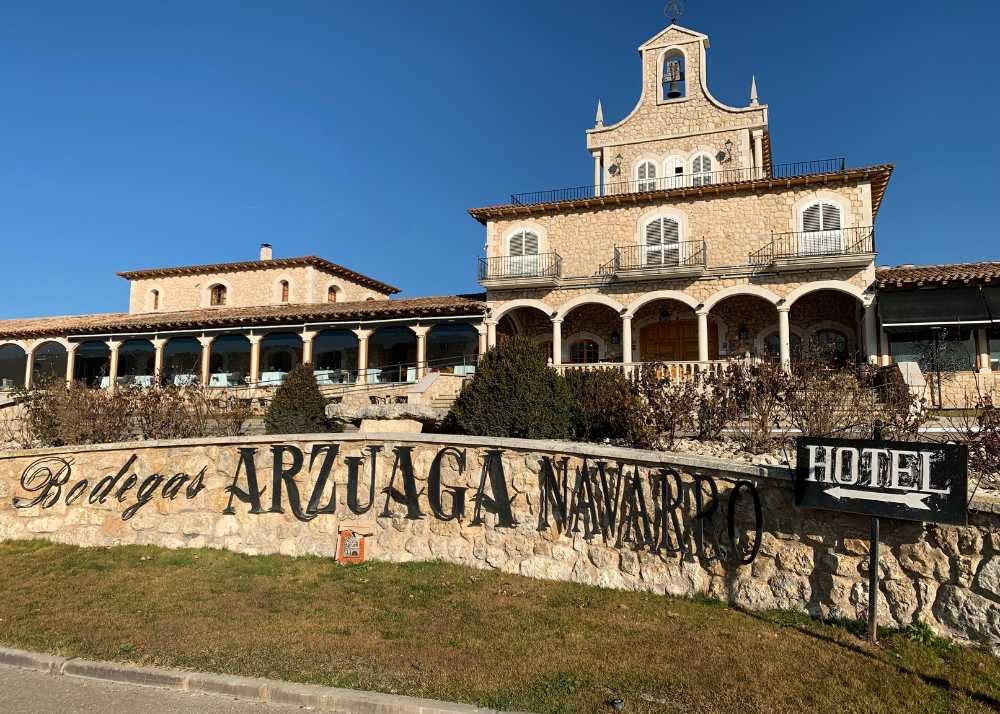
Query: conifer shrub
[(298, 407), (514, 393), (607, 406)]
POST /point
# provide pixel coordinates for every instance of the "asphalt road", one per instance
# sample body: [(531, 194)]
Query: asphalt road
[(23, 691)]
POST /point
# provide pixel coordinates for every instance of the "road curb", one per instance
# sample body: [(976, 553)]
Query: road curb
[(326, 699)]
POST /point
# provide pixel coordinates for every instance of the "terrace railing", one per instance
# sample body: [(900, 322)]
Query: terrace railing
[(508, 267), (657, 257), (815, 244), (677, 181)]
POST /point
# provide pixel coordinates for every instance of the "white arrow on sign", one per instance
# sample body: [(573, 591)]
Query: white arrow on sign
[(913, 500)]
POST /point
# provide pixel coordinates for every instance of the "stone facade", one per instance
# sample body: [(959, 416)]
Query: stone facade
[(245, 288), (811, 561)]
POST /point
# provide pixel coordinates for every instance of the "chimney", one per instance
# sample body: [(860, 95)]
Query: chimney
[(265, 251)]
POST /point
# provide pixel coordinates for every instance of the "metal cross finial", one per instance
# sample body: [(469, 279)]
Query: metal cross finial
[(674, 9)]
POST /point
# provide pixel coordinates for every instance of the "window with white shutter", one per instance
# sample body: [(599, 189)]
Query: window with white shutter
[(646, 176), (662, 246), (524, 253), (821, 229), (673, 172), (701, 170)]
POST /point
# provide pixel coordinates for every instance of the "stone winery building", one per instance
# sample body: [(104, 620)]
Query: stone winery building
[(690, 244)]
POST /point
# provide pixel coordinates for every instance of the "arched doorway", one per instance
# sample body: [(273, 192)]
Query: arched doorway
[(280, 353), (452, 348), (591, 333), (529, 322), (136, 363), (93, 364), (335, 357), (49, 364), (13, 363), (667, 331), (392, 355), (229, 362), (745, 318), (830, 324), (181, 361)]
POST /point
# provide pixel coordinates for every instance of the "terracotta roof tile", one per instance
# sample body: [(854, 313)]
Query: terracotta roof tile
[(954, 274), (303, 261), (213, 318), (878, 176)]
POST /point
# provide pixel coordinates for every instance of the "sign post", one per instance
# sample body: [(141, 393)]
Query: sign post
[(911, 481)]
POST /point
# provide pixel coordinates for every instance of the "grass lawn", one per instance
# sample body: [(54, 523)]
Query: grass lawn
[(447, 632)]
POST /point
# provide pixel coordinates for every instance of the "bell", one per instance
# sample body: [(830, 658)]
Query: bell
[(673, 90)]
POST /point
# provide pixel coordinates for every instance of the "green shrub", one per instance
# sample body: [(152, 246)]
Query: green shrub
[(514, 393), (297, 407), (607, 407)]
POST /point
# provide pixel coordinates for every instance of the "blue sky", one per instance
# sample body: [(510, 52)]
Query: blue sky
[(144, 134)]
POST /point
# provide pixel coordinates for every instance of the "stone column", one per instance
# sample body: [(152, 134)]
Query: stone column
[(206, 359), (363, 336), (597, 172), (71, 362), (421, 332), (884, 349), (158, 345), (114, 346), (483, 340), (627, 356), (783, 336), (557, 341), (871, 333), (255, 341), (307, 347), (29, 365), (758, 153), (702, 335), (491, 334), (983, 343)]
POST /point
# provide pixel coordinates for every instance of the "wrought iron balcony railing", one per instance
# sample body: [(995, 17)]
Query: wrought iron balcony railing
[(664, 183), (509, 267), (692, 253), (816, 244)]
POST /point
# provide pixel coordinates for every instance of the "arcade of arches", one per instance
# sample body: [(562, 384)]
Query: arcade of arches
[(383, 354), (672, 330)]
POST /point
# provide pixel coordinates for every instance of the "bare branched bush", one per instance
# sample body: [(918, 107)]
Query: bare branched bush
[(715, 406), (671, 404), (759, 389), (59, 415), (829, 399)]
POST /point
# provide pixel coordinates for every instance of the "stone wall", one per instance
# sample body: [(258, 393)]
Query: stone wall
[(245, 288), (946, 576)]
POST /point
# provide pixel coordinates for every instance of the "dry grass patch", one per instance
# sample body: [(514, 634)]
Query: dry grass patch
[(447, 632)]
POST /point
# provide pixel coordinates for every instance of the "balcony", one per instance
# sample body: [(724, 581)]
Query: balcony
[(817, 249), (508, 271), (682, 181), (642, 262)]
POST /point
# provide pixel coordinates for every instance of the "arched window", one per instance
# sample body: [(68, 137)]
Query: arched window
[(821, 224), (701, 170), (772, 345), (662, 242), (674, 86), (284, 290), (523, 246), (217, 295), (832, 343), (673, 172), (331, 293), (155, 295), (646, 176), (584, 352)]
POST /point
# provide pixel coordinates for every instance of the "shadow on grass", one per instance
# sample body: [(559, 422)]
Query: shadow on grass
[(920, 634)]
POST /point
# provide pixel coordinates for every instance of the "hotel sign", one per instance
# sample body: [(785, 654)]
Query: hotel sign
[(891, 479)]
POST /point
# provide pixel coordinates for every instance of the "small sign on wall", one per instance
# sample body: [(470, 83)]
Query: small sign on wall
[(350, 547)]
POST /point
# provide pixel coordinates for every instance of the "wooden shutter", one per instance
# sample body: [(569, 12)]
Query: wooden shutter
[(811, 218), (654, 242), (530, 244), (831, 217), (671, 241), (517, 243)]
